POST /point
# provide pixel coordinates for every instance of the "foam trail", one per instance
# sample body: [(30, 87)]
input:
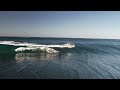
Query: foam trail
[(13, 43)]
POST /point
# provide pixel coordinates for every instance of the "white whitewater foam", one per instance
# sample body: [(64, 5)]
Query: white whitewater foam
[(33, 46), (47, 49), (68, 45), (13, 43)]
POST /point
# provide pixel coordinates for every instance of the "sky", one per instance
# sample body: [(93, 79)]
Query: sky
[(69, 24)]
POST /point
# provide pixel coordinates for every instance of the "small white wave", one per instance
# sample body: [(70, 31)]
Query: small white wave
[(44, 49), (13, 43), (68, 45)]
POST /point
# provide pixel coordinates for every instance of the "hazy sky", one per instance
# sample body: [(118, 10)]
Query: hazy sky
[(75, 24)]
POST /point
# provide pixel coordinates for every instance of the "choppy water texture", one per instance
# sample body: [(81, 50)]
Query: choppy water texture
[(90, 59)]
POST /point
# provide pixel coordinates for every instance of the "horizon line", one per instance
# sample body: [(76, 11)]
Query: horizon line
[(58, 37)]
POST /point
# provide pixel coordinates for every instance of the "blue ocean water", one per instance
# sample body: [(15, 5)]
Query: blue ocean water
[(90, 59)]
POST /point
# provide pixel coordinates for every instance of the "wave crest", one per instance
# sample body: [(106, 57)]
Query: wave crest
[(36, 49), (68, 45)]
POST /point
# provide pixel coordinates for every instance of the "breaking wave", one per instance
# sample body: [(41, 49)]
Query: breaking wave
[(33, 47), (36, 49)]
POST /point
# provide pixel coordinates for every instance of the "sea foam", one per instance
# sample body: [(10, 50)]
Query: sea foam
[(68, 45), (44, 49), (36, 47)]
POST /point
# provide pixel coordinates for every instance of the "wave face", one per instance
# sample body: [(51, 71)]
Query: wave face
[(23, 58)]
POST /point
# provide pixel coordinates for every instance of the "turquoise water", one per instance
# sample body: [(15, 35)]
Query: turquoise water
[(90, 59)]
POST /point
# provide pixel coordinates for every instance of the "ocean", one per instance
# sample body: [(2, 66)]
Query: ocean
[(89, 59)]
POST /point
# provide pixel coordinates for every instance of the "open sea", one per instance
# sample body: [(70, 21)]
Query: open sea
[(89, 59)]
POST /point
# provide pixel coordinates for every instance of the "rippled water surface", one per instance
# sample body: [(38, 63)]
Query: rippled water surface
[(90, 59)]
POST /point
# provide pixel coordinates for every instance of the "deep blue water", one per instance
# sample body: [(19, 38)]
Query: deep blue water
[(90, 59)]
